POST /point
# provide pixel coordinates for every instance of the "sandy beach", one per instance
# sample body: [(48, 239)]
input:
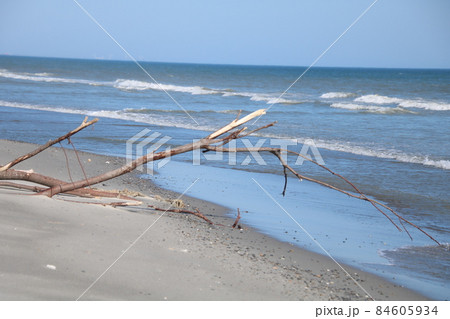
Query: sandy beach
[(55, 248)]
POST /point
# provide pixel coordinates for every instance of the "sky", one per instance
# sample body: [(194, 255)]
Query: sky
[(392, 34)]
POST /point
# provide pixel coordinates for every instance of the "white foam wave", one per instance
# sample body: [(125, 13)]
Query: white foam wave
[(370, 108), (136, 85), (351, 148), (382, 153), (130, 85), (433, 106), (43, 77), (41, 74), (406, 103), (120, 115), (337, 95), (149, 111), (377, 99), (264, 97), (172, 122)]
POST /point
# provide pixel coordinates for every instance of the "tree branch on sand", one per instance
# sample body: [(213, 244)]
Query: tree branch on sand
[(216, 141)]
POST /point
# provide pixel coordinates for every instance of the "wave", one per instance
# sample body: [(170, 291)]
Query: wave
[(406, 103), (136, 85), (340, 146), (433, 259), (370, 108), (386, 154), (130, 85), (433, 106), (44, 77), (118, 114), (378, 99), (351, 148), (265, 97), (336, 95), (150, 111)]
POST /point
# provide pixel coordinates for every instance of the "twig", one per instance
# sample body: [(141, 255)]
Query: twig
[(362, 196), (183, 211), (79, 161), (113, 204), (278, 154), (237, 218), (67, 162)]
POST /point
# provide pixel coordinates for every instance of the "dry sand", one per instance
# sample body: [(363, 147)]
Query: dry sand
[(54, 249)]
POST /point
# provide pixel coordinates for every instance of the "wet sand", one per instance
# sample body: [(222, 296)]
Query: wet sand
[(55, 248)]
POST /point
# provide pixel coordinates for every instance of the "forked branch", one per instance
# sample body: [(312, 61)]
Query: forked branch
[(82, 126)]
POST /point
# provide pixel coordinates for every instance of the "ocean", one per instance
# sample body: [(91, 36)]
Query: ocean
[(387, 130)]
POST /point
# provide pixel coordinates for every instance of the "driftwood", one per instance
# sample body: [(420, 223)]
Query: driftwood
[(213, 142), (82, 126)]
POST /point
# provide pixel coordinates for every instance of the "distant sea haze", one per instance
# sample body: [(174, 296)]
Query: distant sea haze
[(387, 130)]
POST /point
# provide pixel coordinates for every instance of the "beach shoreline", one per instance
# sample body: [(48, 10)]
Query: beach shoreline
[(55, 248)]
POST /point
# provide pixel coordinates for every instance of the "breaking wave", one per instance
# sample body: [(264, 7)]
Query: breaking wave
[(130, 85), (265, 97), (137, 115), (45, 77), (136, 85), (387, 154), (337, 95), (370, 108), (150, 111), (406, 103), (119, 114), (352, 148)]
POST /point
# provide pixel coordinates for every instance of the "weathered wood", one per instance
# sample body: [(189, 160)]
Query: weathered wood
[(153, 157), (47, 145)]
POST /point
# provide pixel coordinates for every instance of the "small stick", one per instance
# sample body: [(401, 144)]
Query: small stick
[(183, 211), (237, 219), (79, 161)]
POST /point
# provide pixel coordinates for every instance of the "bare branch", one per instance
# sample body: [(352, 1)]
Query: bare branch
[(211, 139), (362, 196), (48, 144), (183, 211), (236, 123)]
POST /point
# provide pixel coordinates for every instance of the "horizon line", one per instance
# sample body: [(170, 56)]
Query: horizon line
[(222, 64)]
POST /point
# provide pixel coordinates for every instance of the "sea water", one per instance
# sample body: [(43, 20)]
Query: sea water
[(387, 130)]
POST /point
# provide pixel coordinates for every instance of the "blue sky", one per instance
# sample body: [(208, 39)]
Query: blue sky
[(394, 33)]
